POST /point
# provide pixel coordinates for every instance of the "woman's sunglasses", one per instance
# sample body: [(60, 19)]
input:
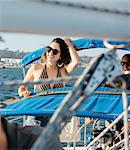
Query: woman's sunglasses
[(54, 51), (125, 63)]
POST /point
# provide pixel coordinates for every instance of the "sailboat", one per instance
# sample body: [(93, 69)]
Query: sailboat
[(91, 19), (104, 105)]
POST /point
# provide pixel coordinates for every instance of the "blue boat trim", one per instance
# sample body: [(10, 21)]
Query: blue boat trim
[(80, 44), (47, 104)]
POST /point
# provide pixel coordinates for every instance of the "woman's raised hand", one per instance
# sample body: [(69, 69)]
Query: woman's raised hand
[(68, 42)]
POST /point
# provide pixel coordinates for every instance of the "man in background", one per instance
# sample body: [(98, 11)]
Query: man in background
[(125, 65), (125, 62)]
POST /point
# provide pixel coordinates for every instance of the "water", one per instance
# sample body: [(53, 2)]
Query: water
[(10, 74)]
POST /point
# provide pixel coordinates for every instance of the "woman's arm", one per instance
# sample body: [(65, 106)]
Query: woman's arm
[(75, 60), (23, 90)]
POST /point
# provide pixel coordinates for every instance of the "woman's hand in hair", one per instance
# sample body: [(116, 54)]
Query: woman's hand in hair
[(75, 60), (68, 42)]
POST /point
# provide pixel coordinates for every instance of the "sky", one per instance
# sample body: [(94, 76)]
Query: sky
[(24, 42), (32, 42)]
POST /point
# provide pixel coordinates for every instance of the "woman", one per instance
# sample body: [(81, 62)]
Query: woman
[(59, 60)]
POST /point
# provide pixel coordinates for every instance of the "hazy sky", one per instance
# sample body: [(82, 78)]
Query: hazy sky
[(24, 42)]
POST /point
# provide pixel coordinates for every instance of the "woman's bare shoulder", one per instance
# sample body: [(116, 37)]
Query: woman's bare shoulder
[(37, 66)]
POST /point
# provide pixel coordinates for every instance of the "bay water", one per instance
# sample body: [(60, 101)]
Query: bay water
[(14, 74), (9, 74)]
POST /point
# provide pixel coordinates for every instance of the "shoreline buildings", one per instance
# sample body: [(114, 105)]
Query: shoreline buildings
[(9, 63)]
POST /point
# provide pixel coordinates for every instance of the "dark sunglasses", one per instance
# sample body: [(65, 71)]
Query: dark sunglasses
[(54, 51), (125, 63)]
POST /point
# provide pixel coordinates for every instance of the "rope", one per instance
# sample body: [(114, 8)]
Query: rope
[(50, 81), (106, 129), (126, 132), (115, 146), (67, 79)]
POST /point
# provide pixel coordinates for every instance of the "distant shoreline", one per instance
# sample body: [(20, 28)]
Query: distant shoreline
[(9, 67)]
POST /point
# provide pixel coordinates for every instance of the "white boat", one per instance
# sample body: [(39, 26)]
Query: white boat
[(93, 19)]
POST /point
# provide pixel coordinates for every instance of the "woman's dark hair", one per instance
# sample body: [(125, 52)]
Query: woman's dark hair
[(65, 55), (126, 56)]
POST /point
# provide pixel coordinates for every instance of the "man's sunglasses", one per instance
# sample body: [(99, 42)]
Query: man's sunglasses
[(125, 63), (54, 51)]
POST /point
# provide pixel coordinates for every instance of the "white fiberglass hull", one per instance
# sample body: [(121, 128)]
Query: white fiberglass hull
[(46, 18)]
